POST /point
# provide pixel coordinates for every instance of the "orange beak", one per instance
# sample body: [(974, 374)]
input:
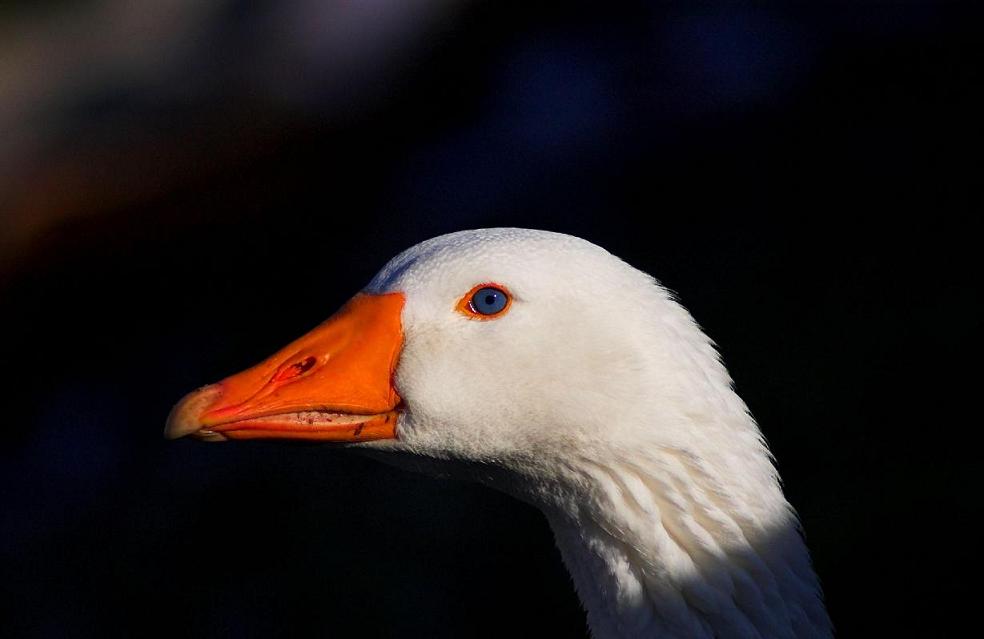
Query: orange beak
[(333, 384)]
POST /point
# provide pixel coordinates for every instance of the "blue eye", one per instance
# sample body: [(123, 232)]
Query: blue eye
[(489, 300)]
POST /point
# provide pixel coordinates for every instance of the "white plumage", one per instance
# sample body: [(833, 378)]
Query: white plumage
[(600, 400)]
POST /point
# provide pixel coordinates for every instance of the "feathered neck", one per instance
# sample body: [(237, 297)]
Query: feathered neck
[(658, 547)]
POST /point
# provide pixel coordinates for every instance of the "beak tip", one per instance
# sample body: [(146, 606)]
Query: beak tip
[(185, 417)]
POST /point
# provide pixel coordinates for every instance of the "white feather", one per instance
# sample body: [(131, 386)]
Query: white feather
[(599, 399)]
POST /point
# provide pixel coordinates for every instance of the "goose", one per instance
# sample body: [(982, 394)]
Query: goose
[(544, 366)]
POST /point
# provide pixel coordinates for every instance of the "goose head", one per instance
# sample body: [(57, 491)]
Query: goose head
[(544, 366)]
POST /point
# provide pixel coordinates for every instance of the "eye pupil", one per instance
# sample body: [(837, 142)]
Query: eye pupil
[(489, 301)]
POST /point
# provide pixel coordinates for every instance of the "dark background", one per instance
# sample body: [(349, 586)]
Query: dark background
[(184, 190)]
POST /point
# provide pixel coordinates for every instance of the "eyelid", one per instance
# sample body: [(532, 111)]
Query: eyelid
[(464, 305)]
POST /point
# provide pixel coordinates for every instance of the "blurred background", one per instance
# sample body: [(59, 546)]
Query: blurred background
[(187, 185)]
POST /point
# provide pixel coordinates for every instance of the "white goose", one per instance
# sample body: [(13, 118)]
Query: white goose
[(544, 366)]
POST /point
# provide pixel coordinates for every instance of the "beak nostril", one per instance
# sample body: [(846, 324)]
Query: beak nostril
[(295, 370)]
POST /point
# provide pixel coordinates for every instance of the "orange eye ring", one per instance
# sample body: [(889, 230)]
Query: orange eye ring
[(466, 305)]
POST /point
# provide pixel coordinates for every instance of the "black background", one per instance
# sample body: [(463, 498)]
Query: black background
[(802, 175)]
